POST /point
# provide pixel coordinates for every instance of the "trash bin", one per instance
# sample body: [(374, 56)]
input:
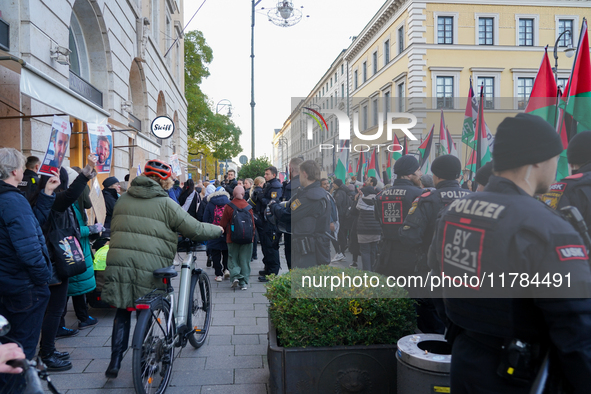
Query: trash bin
[(424, 362)]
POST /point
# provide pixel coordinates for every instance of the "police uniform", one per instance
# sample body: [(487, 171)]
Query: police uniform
[(271, 192), (310, 211), (573, 190), (289, 188), (391, 209), (499, 336), (29, 183)]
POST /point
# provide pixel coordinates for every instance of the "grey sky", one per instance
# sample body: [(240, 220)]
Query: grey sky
[(288, 61)]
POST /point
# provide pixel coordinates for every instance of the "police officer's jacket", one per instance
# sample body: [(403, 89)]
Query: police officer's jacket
[(290, 188), (271, 192), (29, 183), (419, 224), (573, 190), (504, 230), (392, 206), (310, 211)]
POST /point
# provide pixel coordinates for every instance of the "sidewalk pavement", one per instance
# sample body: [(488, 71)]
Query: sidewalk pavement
[(233, 359)]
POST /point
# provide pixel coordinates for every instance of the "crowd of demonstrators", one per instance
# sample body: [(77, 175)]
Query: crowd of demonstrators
[(146, 218), (217, 248), (238, 222)]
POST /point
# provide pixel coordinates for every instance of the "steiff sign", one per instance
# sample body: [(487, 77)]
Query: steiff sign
[(162, 127)]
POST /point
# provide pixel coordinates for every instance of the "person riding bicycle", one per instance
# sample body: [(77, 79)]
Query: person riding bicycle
[(144, 238)]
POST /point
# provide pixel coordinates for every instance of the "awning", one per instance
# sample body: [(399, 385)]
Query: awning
[(50, 92), (47, 90)]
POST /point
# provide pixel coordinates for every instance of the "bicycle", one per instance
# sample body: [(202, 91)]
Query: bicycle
[(163, 324)]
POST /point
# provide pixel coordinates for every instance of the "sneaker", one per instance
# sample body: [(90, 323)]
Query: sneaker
[(219, 278), (263, 273), (55, 364), (244, 287), (208, 264), (263, 279), (338, 257), (226, 274), (64, 332), (353, 264), (235, 283), (91, 321)]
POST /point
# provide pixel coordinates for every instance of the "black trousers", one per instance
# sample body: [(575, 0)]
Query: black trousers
[(342, 237), (220, 261), (80, 309), (287, 242), (270, 249), (53, 316)]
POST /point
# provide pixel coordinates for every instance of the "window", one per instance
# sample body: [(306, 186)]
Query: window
[(335, 77), (488, 91), (364, 70), (331, 102), (567, 38), (445, 92), (375, 62), (386, 52), (386, 102), (562, 83), (355, 80), (486, 31), (401, 40), (342, 90), (524, 86), (364, 118), (445, 28), (323, 90), (401, 99), (331, 82), (342, 69), (375, 108), (526, 32)]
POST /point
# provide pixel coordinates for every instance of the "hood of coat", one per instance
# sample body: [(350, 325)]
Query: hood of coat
[(5, 187), (366, 203), (219, 198), (144, 187)]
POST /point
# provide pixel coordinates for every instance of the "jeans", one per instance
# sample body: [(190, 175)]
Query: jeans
[(220, 261), (239, 262), (25, 313), (369, 255), (53, 316)]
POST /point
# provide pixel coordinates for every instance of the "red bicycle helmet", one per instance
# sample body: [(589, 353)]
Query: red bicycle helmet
[(158, 168)]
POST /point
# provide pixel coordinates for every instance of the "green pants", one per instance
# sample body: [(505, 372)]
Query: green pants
[(239, 262)]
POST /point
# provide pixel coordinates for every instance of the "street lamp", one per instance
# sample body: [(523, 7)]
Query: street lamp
[(224, 103), (283, 15), (569, 51)]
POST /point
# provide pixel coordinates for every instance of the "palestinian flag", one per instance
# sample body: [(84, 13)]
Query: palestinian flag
[(444, 143), (578, 93), (470, 116), (341, 169), (471, 165), (372, 168), (542, 101), (397, 154), (425, 152), (350, 172), (483, 153), (453, 150)]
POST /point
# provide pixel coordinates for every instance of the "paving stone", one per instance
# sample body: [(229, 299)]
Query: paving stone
[(221, 330), (188, 364), (223, 361), (232, 307), (245, 339), (205, 351), (224, 314), (202, 377), (100, 331), (258, 329), (219, 339), (90, 352), (258, 375), (234, 321), (251, 313), (65, 381), (235, 389), (250, 350)]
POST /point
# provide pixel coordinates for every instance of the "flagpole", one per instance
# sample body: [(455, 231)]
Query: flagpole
[(477, 131), (467, 146)]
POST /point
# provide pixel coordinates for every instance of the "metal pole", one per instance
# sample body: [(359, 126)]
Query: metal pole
[(252, 103)]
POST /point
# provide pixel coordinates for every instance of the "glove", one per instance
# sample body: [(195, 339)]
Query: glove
[(95, 228)]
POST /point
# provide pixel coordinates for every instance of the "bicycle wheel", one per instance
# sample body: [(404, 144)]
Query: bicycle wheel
[(152, 363), (199, 317)]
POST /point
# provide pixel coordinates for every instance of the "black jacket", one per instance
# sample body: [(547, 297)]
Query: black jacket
[(24, 258), (110, 196), (290, 188), (29, 183), (393, 204), (230, 187)]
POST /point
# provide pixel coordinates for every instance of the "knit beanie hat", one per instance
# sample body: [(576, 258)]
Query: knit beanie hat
[(406, 165), (447, 167), (110, 181), (579, 148), (484, 173), (338, 182), (524, 139)]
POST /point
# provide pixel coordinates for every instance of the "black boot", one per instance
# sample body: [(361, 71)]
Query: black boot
[(53, 363), (119, 339)]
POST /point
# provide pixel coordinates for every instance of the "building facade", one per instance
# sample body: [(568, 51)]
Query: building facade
[(117, 62)]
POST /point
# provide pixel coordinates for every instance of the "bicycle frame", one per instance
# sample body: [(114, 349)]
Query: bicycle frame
[(182, 299)]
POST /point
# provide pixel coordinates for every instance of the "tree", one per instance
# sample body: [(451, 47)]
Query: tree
[(254, 168), (215, 131)]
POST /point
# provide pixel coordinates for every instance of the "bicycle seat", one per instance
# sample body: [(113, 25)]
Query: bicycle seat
[(168, 272)]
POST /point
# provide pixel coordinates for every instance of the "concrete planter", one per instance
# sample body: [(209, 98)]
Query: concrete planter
[(339, 369)]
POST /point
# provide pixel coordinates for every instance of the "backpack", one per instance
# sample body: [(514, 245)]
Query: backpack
[(242, 230), (217, 214)]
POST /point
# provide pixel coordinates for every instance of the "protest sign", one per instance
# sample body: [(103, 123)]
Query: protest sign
[(101, 144), (57, 147)]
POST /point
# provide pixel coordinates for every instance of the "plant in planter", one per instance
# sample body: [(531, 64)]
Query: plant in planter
[(340, 339)]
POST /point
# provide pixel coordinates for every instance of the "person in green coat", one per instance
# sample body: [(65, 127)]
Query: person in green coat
[(144, 238)]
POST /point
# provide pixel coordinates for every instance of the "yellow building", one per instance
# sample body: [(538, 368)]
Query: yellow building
[(419, 56)]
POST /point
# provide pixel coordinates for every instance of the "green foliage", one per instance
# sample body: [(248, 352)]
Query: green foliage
[(254, 168), (357, 316), (217, 132)]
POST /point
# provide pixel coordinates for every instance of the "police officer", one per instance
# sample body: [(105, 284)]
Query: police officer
[(498, 343), (308, 213), (482, 176), (575, 190), (271, 192), (392, 206), (289, 188), (30, 178), (419, 226)]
